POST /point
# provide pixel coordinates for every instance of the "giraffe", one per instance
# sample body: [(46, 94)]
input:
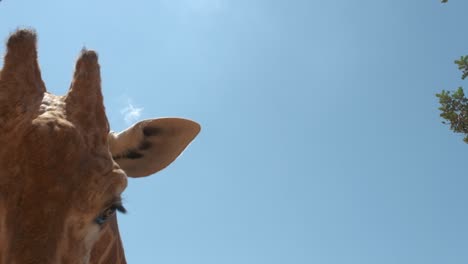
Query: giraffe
[(62, 171)]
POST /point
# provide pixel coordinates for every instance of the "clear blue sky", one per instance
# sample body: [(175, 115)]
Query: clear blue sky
[(321, 139)]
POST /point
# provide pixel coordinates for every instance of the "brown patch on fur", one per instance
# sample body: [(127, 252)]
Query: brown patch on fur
[(108, 249), (151, 131)]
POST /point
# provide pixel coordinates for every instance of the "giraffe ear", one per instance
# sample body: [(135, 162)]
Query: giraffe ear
[(151, 145)]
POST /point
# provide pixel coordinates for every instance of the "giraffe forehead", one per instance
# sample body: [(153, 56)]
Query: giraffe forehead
[(55, 122), (52, 102), (51, 114), (52, 145)]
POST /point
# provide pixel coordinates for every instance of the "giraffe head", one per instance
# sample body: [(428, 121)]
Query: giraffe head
[(62, 171)]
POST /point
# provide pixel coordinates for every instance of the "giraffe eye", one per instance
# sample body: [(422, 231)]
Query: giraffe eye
[(109, 212)]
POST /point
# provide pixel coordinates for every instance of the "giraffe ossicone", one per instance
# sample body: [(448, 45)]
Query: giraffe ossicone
[(62, 171)]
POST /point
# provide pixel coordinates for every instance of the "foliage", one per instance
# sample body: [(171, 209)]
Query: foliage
[(454, 108), (454, 105), (463, 65)]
